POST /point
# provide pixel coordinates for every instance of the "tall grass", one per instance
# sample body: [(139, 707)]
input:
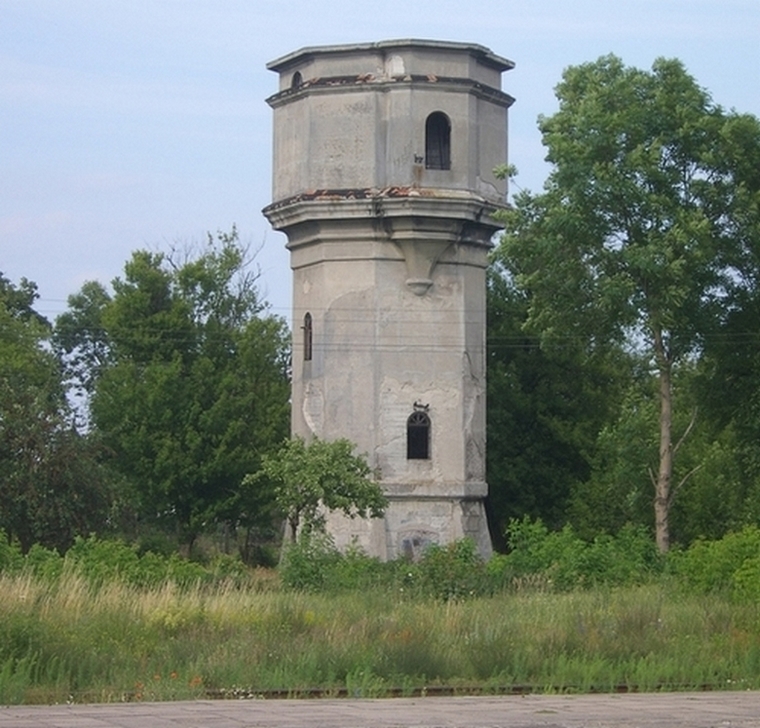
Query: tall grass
[(72, 640), (105, 623)]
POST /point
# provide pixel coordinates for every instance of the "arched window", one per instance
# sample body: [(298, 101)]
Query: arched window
[(307, 335), (297, 80), (438, 141), (418, 436)]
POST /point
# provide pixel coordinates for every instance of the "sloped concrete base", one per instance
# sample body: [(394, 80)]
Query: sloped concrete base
[(411, 524)]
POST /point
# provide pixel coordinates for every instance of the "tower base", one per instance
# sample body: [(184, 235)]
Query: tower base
[(411, 524)]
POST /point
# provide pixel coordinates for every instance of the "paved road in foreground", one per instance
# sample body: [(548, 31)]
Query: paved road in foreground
[(664, 710)]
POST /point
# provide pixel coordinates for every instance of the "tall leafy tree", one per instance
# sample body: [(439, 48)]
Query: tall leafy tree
[(51, 486), (637, 234), (81, 339), (546, 407), (731, 381), (189, 381)]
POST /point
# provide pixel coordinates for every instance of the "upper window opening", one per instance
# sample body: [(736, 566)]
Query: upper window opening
[(297, 80), (307, 337), (438, 141), (418, 436)]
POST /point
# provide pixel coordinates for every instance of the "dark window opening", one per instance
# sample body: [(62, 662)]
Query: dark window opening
[(297, 80), (307, 336), (418, 436), (438, 141)]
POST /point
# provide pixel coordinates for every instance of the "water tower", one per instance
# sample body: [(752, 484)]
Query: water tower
[(384, 157)]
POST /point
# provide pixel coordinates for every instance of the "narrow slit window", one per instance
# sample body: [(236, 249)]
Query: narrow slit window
[(438, 141), (307, 337), (418, 436), (297, 80)]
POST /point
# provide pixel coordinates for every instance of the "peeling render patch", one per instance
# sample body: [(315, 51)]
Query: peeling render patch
[(313, 408)]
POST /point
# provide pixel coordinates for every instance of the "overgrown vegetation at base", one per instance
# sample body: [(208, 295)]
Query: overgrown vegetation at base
[(539, 559), (106, 623)]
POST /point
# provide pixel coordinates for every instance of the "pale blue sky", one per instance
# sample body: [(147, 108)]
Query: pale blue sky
[(139, 123)]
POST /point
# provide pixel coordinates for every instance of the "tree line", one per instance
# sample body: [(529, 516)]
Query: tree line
[(624, 308), (623, 345)]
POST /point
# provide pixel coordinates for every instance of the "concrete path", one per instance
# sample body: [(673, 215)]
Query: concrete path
[(663, 710)]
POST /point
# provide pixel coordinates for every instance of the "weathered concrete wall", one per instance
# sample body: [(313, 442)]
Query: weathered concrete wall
[(389, 261)]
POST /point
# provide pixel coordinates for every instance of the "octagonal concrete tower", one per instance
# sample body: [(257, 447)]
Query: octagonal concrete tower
[(383, 182)]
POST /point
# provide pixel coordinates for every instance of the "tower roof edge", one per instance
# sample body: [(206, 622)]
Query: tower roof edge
[(483, 54)]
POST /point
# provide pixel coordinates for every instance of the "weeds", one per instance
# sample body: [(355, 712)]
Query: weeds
[(556, 614), (119, 642)]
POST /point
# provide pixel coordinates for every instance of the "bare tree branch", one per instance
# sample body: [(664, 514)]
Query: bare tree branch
[(687, 431), (682, 481)]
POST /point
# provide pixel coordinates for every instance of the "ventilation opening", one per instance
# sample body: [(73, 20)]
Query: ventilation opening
[(418, 436), (438, 141), (297, 80), (307, 337)]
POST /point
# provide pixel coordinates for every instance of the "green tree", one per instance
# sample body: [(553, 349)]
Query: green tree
[(546, 407), (51, 486), (714, 490), (730, 391), (309, 478), (189, 382), (636, 234), (80, 337), (731, 381)]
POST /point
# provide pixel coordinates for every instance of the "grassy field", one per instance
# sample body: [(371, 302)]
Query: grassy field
[(70, 639)]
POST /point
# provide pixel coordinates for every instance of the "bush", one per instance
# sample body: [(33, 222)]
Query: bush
[(43, 562), (356, 570), (561, 560), (313, 564), (100, 561), (11, 558), (454, 571), (557, 560), (630, 557), (307, 562), (729, 565), (745, 582)]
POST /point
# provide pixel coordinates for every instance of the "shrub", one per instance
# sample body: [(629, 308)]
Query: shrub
[(454, 571), (562, 560), (100, 561), (539, 558), (629, 557), (43, 562), (307, 561), (356, 570), (729, 564), (745, 581), (11, 558)]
